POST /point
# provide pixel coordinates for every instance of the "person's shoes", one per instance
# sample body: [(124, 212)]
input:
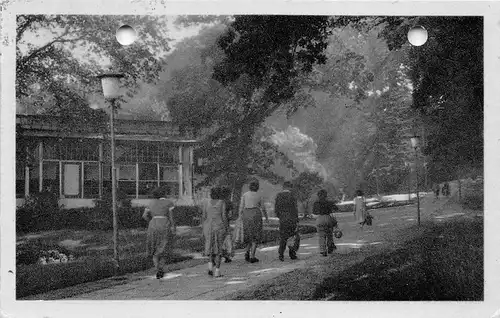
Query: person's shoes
[(292, 254), (253, 260), (331, 249), (247, 256), (281, 258), (228, 260), (217, 273), (211, 273), (324, 254)]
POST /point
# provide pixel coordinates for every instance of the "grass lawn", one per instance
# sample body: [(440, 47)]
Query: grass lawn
[(93, 252), (437, 262)]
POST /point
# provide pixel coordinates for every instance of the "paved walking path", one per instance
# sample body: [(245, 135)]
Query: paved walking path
[(194, 283)]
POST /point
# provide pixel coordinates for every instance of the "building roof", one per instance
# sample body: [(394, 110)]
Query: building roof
[(56, 126)]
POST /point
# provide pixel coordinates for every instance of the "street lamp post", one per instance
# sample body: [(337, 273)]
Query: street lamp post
[(415, 140), (111, 90)]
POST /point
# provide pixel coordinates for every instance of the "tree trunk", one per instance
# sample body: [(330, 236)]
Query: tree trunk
[(244, 139)]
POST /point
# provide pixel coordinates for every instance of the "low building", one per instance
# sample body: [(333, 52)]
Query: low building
[(73, 160)]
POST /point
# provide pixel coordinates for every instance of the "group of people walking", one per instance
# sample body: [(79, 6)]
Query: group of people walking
[(445, 190), (217, 212)]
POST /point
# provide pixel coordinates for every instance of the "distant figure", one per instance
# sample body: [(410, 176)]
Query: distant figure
[(215, 225), (286, 210), (446, 189), (325, 223), (161, 230), (436, 190), (360, 208), (251, 210), (227, 250)]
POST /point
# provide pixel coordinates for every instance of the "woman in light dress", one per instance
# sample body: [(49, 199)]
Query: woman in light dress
[(360, 208), (161, 230), (215, 225), (251, 211)]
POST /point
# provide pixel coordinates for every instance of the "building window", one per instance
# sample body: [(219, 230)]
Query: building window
[(51, 177), (106, 180), (168, 154), (169, 173), (34, 183), (148, 179), (127, 179), (79, 149), (147, 152), (125, 151), (51, 149), (71, 179), (169, 179), (91, 180), (20, 180)]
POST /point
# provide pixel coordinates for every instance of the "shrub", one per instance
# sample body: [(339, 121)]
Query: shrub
[(39, 212)]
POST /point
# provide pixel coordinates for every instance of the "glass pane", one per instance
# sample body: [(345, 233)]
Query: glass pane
[(169, 173), (126, 173), (106, 172), (126, 151), (34, 180), (79, 149), (148, 152), (169, 154), (91, 183), (20, 177), (72, 179), (91, 171), (127, 188), (51, 177), (51, 149), (91, 189), (148, 171)]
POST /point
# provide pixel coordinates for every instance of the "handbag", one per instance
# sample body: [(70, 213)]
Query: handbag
[(369, 219)]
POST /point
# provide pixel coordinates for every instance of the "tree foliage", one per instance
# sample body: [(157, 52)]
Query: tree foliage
[(305, 185), (60, 55), (447, 77)]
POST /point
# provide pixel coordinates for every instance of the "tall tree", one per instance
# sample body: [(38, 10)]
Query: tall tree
[(447, 77), (264, 58), (56, 54)]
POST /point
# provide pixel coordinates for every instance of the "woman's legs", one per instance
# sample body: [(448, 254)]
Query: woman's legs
[(247, 254)]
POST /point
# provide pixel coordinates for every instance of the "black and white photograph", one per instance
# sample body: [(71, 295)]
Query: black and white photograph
[(248, 157)]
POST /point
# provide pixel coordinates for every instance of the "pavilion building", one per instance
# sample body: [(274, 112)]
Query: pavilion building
[(73, 161)]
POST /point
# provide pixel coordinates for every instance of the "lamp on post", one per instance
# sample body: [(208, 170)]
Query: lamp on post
[(111, 87), (415, 143)]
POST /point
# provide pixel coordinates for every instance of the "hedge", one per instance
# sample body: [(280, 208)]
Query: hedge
[(98, 218)]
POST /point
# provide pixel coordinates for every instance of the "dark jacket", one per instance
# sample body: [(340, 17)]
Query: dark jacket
[(285, 207), (324, 207)]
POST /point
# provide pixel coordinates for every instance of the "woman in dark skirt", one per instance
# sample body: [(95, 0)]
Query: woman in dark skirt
[(251, 210), (161, 230)]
